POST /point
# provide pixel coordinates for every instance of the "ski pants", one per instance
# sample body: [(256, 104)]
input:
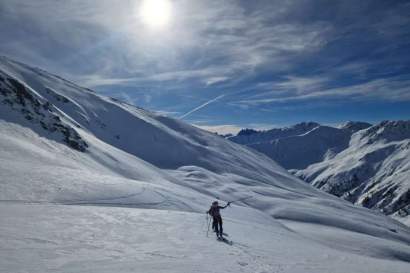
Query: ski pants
[(217, 224)]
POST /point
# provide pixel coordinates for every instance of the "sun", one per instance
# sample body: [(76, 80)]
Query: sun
[(155, 13)]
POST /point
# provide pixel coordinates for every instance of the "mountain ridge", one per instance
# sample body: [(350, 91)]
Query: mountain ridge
[(372, 171), (316, 142), (355, 161)]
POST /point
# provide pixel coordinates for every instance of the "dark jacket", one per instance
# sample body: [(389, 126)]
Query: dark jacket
[(214, 210)]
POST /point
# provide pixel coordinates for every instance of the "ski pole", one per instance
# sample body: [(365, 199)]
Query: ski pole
[(240, 199), (209, 222)]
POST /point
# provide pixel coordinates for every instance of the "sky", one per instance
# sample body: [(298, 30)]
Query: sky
[(225, 65)]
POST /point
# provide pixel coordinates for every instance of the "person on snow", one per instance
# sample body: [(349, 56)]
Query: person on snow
[(214, 211)]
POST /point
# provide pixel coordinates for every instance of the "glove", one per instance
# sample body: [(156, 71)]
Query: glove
[(229, 204)]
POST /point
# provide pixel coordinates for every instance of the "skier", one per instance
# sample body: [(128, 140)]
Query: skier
[(217, 218)]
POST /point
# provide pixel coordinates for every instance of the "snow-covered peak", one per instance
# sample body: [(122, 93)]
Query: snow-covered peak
[(285, 145), (305, 125), (354, 126), (251, 136), (372, 171), (247, 132), (385, 131)]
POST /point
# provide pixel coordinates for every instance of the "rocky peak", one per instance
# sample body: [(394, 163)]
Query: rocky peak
[(42, 114)]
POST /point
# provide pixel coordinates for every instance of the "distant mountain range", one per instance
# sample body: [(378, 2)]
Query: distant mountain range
[(301, 145), (362, 163)]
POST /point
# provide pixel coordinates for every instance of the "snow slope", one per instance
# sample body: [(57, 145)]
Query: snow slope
[(373, 171), (364, 164), (286, 145), (91, 184), (107, 239)]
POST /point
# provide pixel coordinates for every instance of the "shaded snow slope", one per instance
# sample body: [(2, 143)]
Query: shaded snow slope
[(373, 171), (137, 159), (301, 145)]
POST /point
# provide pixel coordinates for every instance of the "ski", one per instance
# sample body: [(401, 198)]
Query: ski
[(222, 239)]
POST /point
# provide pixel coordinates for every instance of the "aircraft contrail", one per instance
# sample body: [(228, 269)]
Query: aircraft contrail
[(201, 106)]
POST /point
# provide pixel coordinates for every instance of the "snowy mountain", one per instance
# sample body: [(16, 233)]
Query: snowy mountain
[(92, 184), (364, 164), (301, 145), (354, 126), (373, 171)]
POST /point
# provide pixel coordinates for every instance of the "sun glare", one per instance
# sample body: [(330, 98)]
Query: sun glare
[(155, 13)]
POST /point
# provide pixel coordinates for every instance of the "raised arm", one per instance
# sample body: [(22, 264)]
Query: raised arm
[(227, 205)]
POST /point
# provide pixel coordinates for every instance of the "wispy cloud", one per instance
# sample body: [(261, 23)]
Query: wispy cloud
[(127, 98), (221, 129), (255, 52), (224, 129), (96, 80), (201, 106), (391, 89), (166, 113), (215, 80), (103, 37)]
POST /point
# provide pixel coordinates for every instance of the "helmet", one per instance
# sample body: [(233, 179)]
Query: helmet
[(215, 203)]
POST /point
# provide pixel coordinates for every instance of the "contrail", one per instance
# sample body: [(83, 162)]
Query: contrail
[(201, 106)]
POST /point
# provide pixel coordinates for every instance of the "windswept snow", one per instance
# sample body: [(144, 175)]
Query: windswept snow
[(134, 199)]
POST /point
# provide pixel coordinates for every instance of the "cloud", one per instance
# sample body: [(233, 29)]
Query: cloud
[(201, 106), (215, 80), (127, 98), (224, 129), (255, 52), (220, 129), (389, 89), (96, 80), (100, 37), (166, 113)]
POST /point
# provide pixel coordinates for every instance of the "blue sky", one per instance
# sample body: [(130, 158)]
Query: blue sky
[(226, 64)]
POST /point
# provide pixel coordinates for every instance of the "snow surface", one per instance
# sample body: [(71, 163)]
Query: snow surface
[(107, 239), (373, 171), (134, 199)]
